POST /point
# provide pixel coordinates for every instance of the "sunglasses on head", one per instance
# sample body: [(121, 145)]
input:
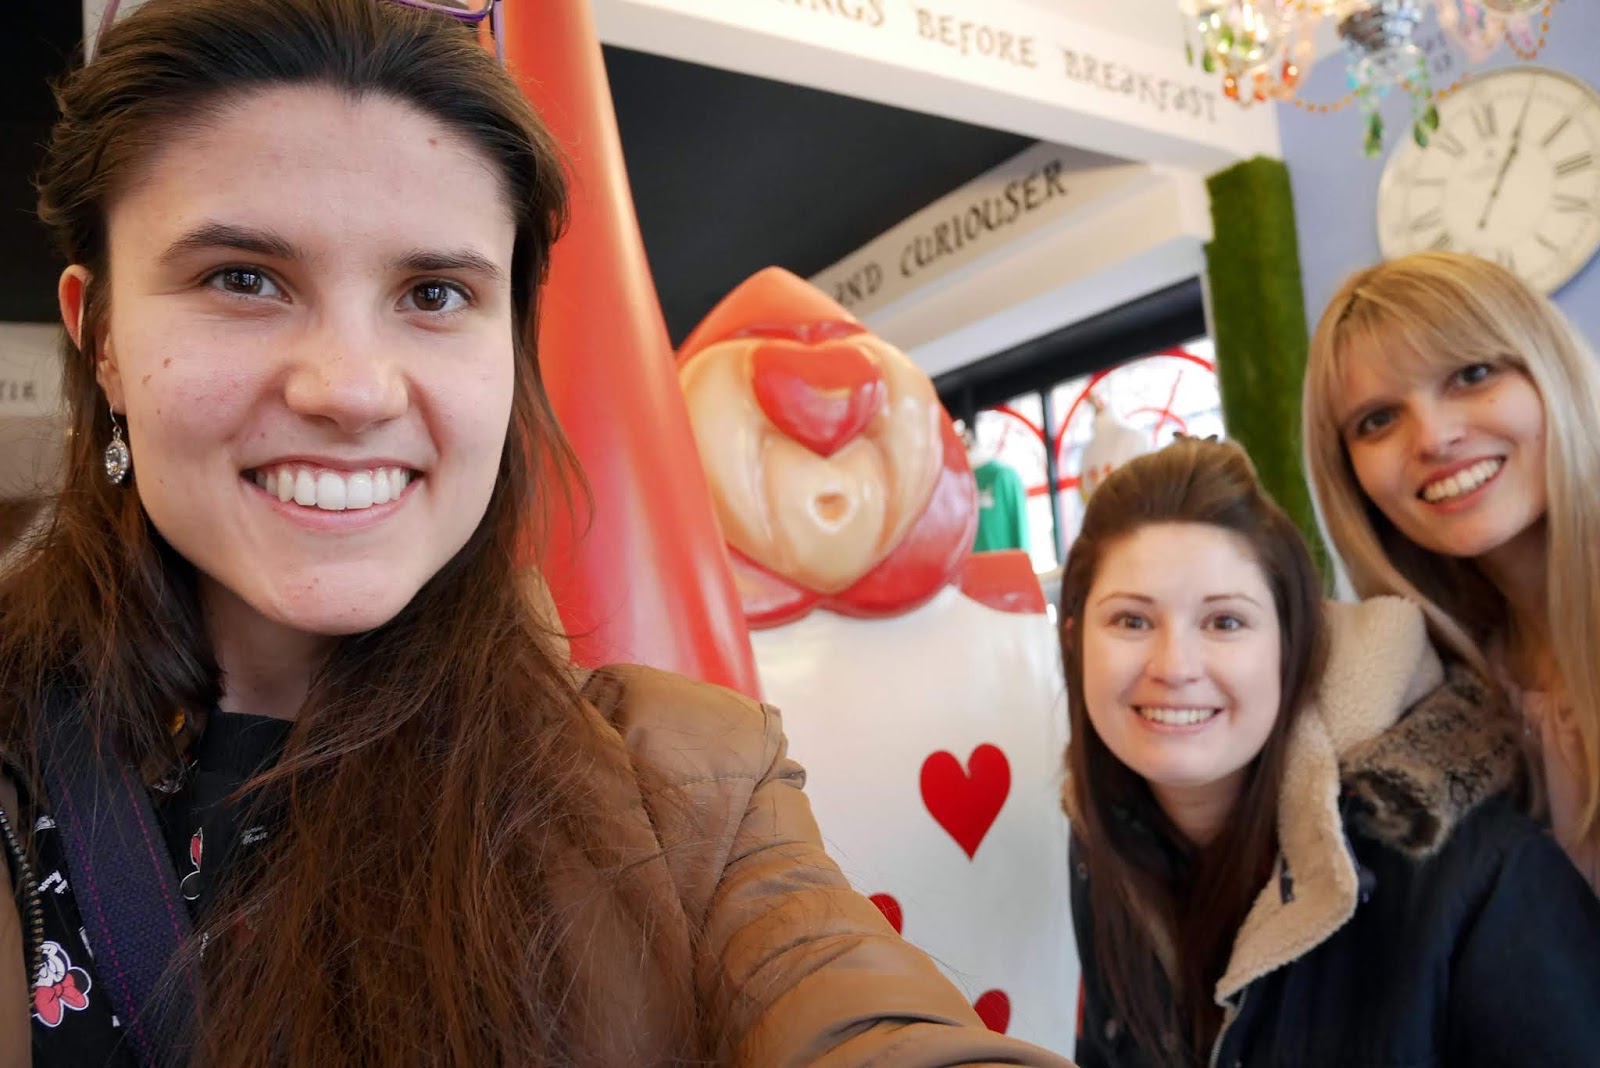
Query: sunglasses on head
[(471, 12)]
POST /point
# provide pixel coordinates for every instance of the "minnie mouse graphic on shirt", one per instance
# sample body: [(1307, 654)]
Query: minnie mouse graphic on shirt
[(59, 986)]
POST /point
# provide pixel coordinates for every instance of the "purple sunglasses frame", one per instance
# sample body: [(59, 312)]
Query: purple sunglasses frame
[(472, 18)]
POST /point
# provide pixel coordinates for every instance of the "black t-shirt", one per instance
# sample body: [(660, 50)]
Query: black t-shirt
[(73, 1021), (203, 831)]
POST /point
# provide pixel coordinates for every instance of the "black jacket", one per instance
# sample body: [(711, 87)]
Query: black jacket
[(1416, 919)]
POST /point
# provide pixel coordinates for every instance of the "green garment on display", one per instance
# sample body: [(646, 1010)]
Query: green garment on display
[(1002, 508)]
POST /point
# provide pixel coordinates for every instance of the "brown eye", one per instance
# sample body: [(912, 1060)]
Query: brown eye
[(1373, 422), (244, 282), (435, 296)]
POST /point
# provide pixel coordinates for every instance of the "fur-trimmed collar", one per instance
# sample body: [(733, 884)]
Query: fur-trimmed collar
[(1407, 778)]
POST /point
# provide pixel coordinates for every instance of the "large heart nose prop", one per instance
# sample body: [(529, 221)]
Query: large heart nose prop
[(822, 397)]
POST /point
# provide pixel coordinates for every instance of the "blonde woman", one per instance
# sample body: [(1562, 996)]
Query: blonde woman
[(1452, 432)]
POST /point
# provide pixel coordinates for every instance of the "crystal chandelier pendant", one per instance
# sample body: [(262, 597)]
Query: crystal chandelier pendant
[(1380, 38), (1475, 28), (1246, 40), (1260, 49)]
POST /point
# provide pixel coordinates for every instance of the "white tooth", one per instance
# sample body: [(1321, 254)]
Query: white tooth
[(305, 488), (358, 490), (1452, 486), (259, 479), (286, 484), (402, 479), (380, 486), (269, 481), (330, 492)]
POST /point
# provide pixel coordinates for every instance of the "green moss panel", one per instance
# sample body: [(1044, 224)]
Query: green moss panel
[(1258, 324)]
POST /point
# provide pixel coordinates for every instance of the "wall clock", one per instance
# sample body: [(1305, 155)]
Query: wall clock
[(1512, 175)]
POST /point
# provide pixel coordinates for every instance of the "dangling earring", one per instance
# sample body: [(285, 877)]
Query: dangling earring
[(117, 458)]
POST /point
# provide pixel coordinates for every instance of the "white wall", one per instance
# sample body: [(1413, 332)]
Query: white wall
[(30, 403)]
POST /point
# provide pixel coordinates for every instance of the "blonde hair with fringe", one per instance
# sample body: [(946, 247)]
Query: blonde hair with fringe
[(1442, 311)]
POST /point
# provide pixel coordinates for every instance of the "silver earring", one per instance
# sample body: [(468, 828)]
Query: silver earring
[(117, 457)]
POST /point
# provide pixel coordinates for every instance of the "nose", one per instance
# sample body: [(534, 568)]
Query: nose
[(822, 396), (344, 376), (1175, 658), (1439, 430)]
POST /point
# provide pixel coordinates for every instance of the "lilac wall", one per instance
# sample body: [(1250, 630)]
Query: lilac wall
[(1336, 187)]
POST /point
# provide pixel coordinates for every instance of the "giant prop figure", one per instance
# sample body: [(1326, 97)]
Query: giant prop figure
[(919, 681)]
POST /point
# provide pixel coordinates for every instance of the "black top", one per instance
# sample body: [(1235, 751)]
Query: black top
[(73, 1024), (202, 829), (1484, 955)]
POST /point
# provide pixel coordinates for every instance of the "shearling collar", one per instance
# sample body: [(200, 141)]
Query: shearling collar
[(1407, 778)]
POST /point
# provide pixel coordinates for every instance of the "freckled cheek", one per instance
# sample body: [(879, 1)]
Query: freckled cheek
[(187, 399)]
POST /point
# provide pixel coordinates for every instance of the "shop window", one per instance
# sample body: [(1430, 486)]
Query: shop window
[(1157, 396)]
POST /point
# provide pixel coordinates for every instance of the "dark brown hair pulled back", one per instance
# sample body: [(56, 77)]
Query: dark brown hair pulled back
[(1165, 913), (443, 764)]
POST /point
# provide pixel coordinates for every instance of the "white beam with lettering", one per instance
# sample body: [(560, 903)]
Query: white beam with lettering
[(1125, 238), (1000, 210), (996, 63)]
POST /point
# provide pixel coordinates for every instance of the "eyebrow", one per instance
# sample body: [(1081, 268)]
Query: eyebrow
[(422, 261), (216, 235), (1124, 595)]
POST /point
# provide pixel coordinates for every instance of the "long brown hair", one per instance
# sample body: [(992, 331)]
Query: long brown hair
[(1164, 912), (444, 777)]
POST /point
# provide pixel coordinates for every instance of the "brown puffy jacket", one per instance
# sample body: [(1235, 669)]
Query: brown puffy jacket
[(800, 969)]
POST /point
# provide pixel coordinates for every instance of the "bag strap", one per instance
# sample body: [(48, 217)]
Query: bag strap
[(122, 880)]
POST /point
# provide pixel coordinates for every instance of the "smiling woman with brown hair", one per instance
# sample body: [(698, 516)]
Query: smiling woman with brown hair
[(294, 773)]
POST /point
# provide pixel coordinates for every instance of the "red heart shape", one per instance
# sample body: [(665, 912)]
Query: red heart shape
[(890, 909), (994, 1009), (821, 396), (966, 802)]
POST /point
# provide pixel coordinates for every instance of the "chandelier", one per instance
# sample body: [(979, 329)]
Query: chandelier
[(1263, 48)]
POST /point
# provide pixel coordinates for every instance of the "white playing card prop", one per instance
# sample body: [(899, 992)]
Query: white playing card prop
[(933, 744)]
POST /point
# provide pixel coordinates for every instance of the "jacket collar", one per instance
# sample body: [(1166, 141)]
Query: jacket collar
[(1406, 779)]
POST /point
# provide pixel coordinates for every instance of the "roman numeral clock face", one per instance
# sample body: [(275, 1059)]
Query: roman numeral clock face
[(1513, 175)]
